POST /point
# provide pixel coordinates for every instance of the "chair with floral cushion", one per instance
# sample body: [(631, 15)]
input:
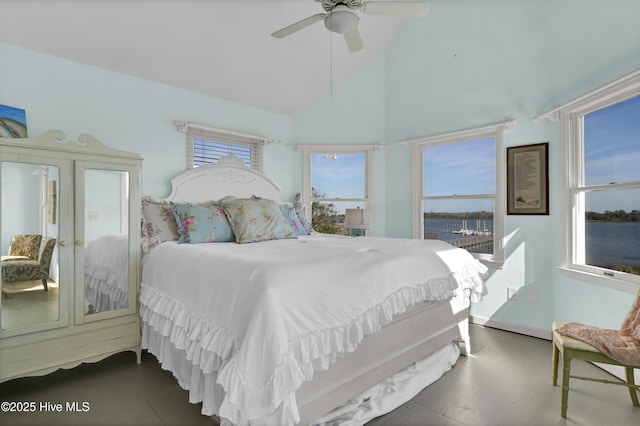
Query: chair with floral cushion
[(21, 269)]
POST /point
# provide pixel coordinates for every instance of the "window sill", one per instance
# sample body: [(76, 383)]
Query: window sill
[(491, 263), (600, 280)]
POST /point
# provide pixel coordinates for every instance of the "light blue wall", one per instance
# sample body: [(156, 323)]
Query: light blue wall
[(130, 114), (103, 195), (21, 197)]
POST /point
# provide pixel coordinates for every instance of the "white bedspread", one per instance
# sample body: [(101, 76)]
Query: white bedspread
[(266, 315), (106, 277)]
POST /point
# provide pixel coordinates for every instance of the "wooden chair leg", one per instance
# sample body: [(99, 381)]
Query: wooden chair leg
[(554, 364), (566, 371), (632, 391), (44, 283)]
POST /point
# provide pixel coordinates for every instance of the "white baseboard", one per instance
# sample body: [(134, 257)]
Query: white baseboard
[(514, 328)]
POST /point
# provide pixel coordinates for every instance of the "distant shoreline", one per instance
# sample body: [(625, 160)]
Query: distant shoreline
[(630, 269), (614, 221)]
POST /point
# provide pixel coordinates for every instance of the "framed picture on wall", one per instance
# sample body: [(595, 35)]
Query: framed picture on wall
[(528, 179), (13, 122)]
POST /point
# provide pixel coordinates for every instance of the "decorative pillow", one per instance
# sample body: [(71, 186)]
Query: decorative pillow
[(303, 220), (255, 219), (158, 223), (291, 214), (202, 223), (299, 206)]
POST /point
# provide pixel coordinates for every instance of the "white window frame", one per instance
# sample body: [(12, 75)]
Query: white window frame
[(367, 150), (417, 146), (571, 118), (198, 131)]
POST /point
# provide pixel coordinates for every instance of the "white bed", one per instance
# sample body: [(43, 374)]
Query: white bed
[(284, 331)]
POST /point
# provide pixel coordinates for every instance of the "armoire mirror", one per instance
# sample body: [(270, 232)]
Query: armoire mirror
[(29, 217), (106, 239), (75, 199), (76, 204)]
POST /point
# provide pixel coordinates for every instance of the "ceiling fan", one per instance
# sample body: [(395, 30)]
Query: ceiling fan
[(340, 17)]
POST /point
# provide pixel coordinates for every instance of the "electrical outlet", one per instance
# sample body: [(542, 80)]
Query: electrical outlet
[(512, 293), (533, 296), (94, 215)]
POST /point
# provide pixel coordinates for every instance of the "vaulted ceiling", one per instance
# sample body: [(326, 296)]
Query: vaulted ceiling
[(219, 48)]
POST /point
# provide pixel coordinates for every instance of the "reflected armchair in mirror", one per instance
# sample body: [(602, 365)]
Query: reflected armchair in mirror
[(24, 247), (17, 268)]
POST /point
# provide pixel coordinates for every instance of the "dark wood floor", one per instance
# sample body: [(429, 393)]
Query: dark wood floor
[(507, 381)]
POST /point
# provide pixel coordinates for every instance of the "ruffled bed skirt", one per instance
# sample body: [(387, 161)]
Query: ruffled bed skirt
[(394, 391), (103, 289), (380, 399)]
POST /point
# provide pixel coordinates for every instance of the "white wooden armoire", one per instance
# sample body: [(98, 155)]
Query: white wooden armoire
[(79, 193)]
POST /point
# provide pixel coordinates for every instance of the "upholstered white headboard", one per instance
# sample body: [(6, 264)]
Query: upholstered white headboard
[(229, 176)]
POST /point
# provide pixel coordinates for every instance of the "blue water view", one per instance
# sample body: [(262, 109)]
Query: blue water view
[(607, 243), (613, 243)]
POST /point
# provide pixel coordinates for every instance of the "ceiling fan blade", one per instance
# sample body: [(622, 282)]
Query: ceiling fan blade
[(398, 8), (353, 39), (298, 25)]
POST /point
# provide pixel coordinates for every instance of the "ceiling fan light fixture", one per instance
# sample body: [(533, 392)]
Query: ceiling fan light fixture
[(341, 20)]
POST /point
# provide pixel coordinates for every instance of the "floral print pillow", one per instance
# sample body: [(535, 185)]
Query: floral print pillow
[(158, 223), (256, 219), (303, 220), (291, 214), (202, 223)]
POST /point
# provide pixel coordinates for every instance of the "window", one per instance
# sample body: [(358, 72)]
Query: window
[(337, 178), (206, 145), (206, 151), (601, 133), (456, 197)]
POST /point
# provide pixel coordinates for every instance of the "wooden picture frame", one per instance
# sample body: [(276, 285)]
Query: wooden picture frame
[(528, 179)]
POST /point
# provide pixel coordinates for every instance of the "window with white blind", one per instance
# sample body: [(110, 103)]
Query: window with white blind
[(207, 151), (205, 145)]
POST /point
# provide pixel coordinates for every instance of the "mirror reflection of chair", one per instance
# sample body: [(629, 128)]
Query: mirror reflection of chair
[(22, 267), (24, 247), (613, 347)]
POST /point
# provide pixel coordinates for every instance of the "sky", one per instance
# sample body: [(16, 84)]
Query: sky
[(612, 154), (339, 177), (612, 143)]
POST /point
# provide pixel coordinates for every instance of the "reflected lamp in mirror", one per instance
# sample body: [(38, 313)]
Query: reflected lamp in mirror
[(356, 221)]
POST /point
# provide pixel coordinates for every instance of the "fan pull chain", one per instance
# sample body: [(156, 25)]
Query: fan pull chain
[(331, 66)]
